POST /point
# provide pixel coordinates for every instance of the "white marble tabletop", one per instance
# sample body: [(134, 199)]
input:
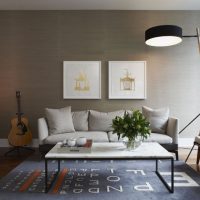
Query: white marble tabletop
[(114, 150)]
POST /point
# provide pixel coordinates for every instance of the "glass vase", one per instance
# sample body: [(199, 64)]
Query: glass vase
[(132, 144)]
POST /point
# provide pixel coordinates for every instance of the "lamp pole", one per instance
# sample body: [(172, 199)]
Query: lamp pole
[(167, 35), (198, 39), (189, 123)]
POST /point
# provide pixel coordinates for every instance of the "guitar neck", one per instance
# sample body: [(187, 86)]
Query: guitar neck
[(18, 107)]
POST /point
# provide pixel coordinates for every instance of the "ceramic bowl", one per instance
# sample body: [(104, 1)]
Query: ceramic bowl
[(71, 142), (81, 141)]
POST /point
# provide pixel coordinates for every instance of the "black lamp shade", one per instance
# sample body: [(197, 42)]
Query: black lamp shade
[(164, 35)]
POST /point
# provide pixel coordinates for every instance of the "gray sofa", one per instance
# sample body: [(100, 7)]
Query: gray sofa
[(97, 126)]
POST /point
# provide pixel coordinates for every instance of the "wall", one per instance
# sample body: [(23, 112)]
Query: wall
[(34, 44)]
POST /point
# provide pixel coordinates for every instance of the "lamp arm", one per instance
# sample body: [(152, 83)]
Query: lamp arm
[(197, 36), (189, 123), (188, 36)]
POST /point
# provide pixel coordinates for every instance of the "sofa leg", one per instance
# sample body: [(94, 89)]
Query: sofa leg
[(176, 153), (42, 155)]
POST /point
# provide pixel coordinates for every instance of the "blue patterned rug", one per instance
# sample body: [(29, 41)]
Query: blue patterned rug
[(100, 180)]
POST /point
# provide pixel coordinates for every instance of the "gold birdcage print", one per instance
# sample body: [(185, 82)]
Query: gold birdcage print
[(82, 82), (127, 82)]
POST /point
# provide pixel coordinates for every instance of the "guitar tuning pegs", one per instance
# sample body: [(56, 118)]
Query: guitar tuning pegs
[(18, 93)]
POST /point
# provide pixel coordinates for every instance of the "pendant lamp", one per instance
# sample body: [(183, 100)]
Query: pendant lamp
[(164, 35)]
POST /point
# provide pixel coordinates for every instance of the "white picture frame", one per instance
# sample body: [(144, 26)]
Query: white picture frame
[(127, 80), (81, 79)]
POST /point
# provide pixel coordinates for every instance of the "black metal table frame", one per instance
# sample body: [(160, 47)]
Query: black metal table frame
[(170, 188)]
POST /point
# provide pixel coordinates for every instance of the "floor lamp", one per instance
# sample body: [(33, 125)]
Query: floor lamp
[(168, 35)]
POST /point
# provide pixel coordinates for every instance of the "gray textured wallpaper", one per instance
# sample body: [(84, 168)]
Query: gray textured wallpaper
[(34, 44)]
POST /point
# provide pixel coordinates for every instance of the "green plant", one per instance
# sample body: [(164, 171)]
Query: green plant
[(131, 125)]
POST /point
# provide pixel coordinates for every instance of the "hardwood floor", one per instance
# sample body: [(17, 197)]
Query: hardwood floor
[(183, 153), (9, 162)]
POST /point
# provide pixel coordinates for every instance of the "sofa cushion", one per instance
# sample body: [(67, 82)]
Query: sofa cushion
[(160, 138), (101, 121), (157, 117), (80, 120), (59, 120), (96, 136), (113, 137), (154, 137)]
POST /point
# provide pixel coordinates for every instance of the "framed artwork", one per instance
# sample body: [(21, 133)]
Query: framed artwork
[(82, 80), (127, 79)]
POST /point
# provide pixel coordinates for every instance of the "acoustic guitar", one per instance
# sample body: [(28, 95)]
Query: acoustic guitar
[(20, 134)]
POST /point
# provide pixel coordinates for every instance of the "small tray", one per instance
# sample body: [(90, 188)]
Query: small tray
[(76, 149)]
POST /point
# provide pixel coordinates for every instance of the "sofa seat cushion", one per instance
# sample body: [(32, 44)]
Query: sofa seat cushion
[(154, 137), (113, 137), (96, 136), (160, 138)]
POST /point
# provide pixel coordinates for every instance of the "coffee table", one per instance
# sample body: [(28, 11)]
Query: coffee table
[(114, 151)]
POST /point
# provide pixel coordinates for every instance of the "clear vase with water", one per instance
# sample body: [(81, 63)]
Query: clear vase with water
[(132, 144)]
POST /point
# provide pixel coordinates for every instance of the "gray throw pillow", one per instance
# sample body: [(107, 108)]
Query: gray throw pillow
[(59, 120), (158, 118), (80, 120), (101, 121)]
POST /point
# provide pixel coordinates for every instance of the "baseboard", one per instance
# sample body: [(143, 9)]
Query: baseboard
[(4, 143), (185, 142)]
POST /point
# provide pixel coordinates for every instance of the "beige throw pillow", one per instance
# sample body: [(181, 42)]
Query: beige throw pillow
[(59, 120), (158, 118), (101, 121)]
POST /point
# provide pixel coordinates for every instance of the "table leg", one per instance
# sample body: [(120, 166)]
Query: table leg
[(48, 186), (172, 174), (46, 175), (156, 165), (58, 165), (170, 188)]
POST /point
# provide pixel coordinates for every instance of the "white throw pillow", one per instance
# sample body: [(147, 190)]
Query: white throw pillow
[(80, 120), (101, 121), (59, 120), (158, 118)]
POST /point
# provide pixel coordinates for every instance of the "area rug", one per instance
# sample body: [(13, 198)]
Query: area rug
[(119, 180)]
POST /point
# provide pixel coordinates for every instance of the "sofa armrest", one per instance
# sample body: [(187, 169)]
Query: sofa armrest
[(173, 129), (42, 130)]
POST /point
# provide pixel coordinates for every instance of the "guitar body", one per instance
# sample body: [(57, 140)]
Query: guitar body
[(16, 137), (20, 134)]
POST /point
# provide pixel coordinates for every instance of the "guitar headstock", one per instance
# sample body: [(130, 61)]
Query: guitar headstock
[(18, 94)]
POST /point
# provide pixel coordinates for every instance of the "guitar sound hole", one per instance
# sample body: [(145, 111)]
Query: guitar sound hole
[(22, 128)]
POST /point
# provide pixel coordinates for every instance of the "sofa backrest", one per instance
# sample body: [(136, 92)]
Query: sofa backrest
[(80, 120), (93, 120), (102, 121)]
